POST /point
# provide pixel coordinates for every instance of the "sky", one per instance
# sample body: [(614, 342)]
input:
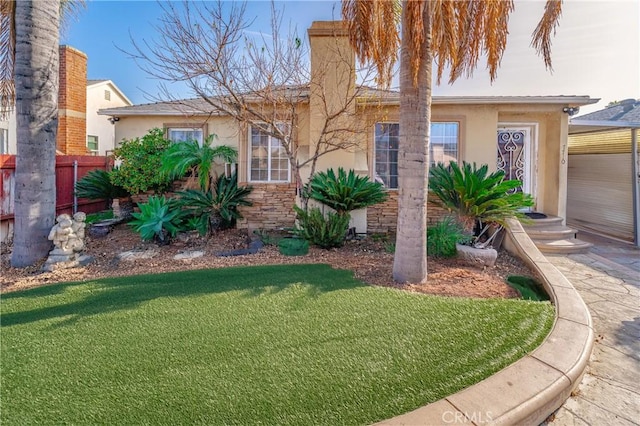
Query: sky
[(596, 50)]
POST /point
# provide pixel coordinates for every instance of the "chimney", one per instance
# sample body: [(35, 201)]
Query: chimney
[(333, 77), (72, 102)]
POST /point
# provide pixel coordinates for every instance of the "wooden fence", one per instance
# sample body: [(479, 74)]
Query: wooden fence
[(69, 168)]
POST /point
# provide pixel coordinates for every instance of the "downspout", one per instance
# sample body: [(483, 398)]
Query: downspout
[(635, 185), (75, 181)]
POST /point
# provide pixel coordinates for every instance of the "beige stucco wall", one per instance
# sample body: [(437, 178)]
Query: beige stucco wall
[(477, 139), (227, 130), (99, 125)]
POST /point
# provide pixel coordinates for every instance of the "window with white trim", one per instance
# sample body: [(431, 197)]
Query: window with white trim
[(443, 148), (184, 134), (268, 161), (386, 154), (4, 141), (443, 144), (92, 144)]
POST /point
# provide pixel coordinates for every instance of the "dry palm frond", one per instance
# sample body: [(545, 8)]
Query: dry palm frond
[(373, 33), (68, 9), (416, 26), (7, 56), (461, 32), (546, 29)]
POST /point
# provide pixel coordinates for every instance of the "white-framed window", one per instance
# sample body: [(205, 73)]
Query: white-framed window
[(444, 141), (387, 136), (268, 161), (443, 148), (92, 144), (4, 141), (183, 134)]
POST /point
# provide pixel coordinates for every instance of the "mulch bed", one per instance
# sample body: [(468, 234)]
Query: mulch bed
[(366, 257)]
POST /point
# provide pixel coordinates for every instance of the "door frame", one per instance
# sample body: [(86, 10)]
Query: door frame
[(530, 153)]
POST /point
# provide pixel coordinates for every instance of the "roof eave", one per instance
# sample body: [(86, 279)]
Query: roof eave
[(491, 100)]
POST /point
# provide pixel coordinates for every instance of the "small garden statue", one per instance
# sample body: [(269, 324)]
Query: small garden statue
[(68, 241)]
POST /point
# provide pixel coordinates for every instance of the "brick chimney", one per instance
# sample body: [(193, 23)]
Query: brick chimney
[(72, 102)]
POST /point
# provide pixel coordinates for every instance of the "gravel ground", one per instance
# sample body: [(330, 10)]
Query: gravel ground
[(367, 258)]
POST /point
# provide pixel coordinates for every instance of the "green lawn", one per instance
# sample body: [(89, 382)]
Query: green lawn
[(279, 345)]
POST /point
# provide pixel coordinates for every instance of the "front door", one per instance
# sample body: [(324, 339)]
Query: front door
[(515, 151)]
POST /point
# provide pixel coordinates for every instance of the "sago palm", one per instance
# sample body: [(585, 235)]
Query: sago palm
[(454, 34), (216, 208), (346, 191), (474, 194), (189, 157)]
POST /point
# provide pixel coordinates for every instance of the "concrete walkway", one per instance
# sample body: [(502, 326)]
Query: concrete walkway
[(608, 280)]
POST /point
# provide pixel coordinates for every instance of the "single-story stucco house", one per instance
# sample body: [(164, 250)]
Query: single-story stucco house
[(526, 136)]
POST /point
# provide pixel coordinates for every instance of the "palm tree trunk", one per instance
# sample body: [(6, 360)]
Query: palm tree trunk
[(410, 261), (36, 81)]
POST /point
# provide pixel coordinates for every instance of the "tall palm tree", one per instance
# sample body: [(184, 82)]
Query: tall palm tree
[(36, 98), (29, 62), (454, 33)]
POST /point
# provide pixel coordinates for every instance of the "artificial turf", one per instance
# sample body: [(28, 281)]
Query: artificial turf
[(302, 344)]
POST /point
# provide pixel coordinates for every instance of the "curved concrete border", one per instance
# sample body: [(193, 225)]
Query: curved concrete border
[(529, 390)]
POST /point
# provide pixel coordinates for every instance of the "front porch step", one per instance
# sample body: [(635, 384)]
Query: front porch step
[(568, 246), (542, 223), (551, 232), (552, 237)]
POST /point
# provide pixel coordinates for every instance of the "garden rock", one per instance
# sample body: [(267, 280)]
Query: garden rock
[(187, 255), (68, 240), (137, 254), (476, 256)]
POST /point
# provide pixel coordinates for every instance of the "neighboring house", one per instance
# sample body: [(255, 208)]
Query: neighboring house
[(100, 131), (523, 135), (603, 176), (81, 131)]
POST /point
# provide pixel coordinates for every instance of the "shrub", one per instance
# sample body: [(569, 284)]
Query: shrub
[(345, 192), (141, 159), (218, 207), (443, 237), (189, 157), (97, 185), (476, 197), (158, 220), (325, 232)]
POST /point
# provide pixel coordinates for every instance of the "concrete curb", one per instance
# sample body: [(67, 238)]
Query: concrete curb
[(529, 390)]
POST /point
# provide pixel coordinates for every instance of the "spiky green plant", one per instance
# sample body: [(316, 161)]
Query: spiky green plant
[(97, 185), (218, 207), (323, 231), (474, 194), (158, 220), (443, 236), (182, 158), (346, 191)]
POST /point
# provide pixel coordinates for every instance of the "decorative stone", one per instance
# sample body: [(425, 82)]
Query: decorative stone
[(479, 257), (187, 255), (137, 254), (68, 241)]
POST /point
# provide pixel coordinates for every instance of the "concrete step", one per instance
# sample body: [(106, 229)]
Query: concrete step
[(565, 246), (551, 232), (542, 223)]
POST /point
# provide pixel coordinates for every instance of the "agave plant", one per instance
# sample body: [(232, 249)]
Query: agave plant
[(97, 185), (217, 207), (475, 195), (346, 191), (183, 158), (158, 220)]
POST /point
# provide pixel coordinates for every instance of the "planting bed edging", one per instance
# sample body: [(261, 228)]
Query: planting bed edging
[(532, 388)]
